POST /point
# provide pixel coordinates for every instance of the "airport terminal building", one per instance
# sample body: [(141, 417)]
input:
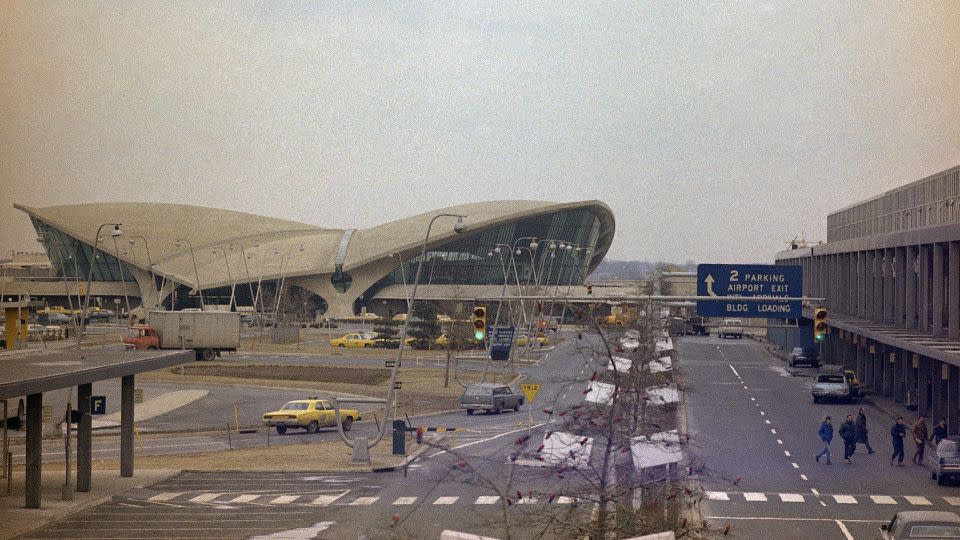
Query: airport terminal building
[(180, 256)]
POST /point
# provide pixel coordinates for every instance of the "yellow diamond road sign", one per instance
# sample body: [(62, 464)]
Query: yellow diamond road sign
[(530, 390)]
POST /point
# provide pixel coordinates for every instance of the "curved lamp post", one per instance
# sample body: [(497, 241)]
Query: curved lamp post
[(403, 277), (196, 273), (153, 276), (115, 233), (362, 446)]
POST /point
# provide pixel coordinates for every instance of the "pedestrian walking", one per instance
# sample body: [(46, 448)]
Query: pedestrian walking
[(848, 432), (939, 432), (826, 435), (897, 432), (920, 437), (862, 431)]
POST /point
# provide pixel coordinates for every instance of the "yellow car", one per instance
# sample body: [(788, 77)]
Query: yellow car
[(443, 318), (352, 340), (539, 339), (442, 342), (309, 414), (400, 317)]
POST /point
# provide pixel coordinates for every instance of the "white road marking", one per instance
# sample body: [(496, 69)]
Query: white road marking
[(535, 426), (205, 497), (815, 492), (822, 503), (243, 499), (527, 500), (755, 497), (953, 501), (786, 453), (766, 422), (404, 500), (488, 499), (779, 441), (753, 399), (795, 466), (773, 431), (745, 387), (843, 529), (791, 497), (165, 496), (297, 534), (762, 413), (918, 501), (734, 370), (284, 499), (883, 499), (803, 477), (564, 500), (446, 500), (364, 501), (718, 496), (324, 500), (845, 499)]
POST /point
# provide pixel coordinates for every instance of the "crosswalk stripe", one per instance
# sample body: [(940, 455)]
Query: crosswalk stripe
[(791, 497), (364, 501), (446, 500), (165, 496), (755, 497), (919, 501), (243, 499), (883, 499), (404, 500), (206, 497), (845, 499), (953, 501), (489, 499), (718, 496), (527, 500), (285, 499), (564, 500), (325, 500)]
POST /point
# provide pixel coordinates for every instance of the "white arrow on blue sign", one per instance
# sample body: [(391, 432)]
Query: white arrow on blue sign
[(724, 280)]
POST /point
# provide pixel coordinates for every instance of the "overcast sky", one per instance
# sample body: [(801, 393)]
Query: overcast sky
[(715, 131)]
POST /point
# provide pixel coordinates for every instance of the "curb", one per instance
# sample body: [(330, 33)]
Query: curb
[(409, 459)]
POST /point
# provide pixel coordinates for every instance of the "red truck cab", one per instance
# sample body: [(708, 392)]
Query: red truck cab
[(142, 337)]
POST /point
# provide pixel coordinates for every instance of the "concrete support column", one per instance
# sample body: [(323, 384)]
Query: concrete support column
[(910, 295), (34, 449), (878, 307), (888, 297), (937, 294), (858, 284), (899, 386), (925, 384), (923, 284), (953, 298), (126, 425), (861, 361), (868, 284), (953, 401), (901, 286), (84, 438)]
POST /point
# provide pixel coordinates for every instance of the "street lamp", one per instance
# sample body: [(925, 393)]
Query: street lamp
[(233, 285), (403, 277), (153, 277), (246, 269), (179, 243), (276, 310), (115, 233), (497, 249)]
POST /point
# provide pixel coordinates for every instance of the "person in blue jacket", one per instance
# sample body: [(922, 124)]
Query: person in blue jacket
[(826, 435)]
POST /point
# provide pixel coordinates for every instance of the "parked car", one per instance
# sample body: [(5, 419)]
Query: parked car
[(392, 343), (252, 319), (353, 340), (836, 385), (801, 355), (53, 317), (490, 397), (540, 339), (921, 524), (309, 414), (944, 460)]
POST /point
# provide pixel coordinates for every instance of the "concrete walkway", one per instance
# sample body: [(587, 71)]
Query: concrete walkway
[(155, 407)]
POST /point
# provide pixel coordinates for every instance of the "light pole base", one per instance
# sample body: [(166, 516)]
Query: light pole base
[(361, 452)]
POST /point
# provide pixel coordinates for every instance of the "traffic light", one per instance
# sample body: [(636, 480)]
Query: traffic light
[(479, 323), (819, 324)]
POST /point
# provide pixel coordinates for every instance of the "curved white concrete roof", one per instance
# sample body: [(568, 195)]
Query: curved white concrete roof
[(265, 240)]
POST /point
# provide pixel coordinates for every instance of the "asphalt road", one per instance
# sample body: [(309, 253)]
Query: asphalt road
[(753, 428), (463, 483)]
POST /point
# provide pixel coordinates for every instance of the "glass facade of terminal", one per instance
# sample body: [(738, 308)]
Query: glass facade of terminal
[(71, 258), (471, 259)]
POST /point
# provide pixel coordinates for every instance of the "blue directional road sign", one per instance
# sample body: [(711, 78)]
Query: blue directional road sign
[(749, 280), (98, 404), (501, 342)]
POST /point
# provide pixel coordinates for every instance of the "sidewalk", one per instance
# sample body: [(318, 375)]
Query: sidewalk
[(16, 520)]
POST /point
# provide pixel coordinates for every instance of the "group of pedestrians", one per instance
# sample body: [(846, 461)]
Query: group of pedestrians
[(854, 431)]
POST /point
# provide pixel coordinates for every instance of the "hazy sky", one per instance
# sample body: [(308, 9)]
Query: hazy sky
[(715, 131)]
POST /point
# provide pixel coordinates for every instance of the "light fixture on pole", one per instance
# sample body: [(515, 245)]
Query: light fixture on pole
[(115, 233), (153, 276)]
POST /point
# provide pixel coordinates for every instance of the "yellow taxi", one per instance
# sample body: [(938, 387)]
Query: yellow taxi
[(309, 414), (400, 317), (540, 339), (353, 340), (443, 318), (442, 342)]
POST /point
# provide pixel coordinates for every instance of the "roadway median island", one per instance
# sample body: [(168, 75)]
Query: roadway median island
[(421, 392)]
